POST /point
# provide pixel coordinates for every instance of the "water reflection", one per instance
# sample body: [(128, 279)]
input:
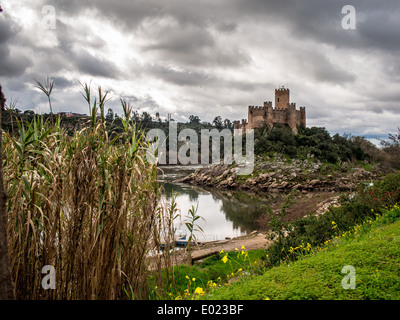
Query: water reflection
[(226, 213)]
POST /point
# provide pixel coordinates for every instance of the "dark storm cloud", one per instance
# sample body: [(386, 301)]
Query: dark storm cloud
[(11, 64), (76, 52), (322, 69), (378, 22), (69, 36), (176, 41), (381, 31), (193, 78), (181, 77), (62, 83), (5, 30), (191, 43), (87, 63), (16, 85)]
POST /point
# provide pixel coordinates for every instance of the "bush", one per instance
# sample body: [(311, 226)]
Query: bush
[(313, 141), (313, 231)]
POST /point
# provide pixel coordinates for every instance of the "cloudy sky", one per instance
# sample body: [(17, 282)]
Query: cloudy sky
[(209, 58)]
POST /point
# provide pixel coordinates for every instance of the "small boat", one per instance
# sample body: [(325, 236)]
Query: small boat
[(180, 240)]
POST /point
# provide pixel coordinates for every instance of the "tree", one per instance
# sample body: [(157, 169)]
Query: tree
[(228, 124), (146, 118), (217, 122), (6, 285), (194, 119), (392, 147), (158, 117)]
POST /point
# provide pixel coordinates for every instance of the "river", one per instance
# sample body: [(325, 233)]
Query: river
[(226, 213)]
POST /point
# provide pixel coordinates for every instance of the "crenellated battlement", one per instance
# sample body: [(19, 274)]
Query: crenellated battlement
[(267, 104), (282, 90), (255, 108)]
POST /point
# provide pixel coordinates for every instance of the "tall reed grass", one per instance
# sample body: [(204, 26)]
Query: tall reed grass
[(87, 205)]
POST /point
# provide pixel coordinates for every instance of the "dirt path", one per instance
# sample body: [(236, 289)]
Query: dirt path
[(250, 242), (256, 240)]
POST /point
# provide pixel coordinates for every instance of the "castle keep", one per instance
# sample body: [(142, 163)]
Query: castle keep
[(283, 113)]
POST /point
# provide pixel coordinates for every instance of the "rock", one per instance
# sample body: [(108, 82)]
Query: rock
[(283, 185)]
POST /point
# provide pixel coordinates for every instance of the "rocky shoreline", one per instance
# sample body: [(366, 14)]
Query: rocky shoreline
[(282, 175)]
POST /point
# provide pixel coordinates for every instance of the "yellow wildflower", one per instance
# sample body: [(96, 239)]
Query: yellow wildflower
[(199, 291)]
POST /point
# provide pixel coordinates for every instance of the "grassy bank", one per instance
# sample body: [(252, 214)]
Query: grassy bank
[(372, 248), (213, 272), (306, 258)]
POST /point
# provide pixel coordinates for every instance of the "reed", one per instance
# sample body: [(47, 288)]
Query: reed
[(87, 205)]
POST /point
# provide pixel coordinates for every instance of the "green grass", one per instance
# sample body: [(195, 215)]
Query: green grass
[(372, 248), (211, 270)]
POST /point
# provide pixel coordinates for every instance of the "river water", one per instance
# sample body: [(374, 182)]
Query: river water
[(226, 213)]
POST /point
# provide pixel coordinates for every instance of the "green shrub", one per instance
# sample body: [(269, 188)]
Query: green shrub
[(311, 141), (368, 202)]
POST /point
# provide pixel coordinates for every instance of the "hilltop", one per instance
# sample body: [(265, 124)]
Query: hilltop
[(311, 160)]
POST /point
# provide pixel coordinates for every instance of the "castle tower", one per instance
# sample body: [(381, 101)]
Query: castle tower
[(281, 98), (283, 113), (291, 115)]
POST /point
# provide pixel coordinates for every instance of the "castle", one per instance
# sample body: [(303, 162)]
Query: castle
[(283, 113)]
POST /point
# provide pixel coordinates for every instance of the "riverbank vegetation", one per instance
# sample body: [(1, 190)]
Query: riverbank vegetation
[(317, 143), (86, 207), (306, 258), (369, 252), (309, 161)]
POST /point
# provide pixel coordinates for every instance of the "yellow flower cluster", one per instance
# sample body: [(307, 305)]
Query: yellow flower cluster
[(211, 284), (302, 247), (199, 291)]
